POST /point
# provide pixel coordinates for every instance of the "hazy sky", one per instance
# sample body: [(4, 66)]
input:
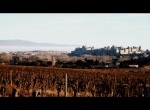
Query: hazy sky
[(91, 29)]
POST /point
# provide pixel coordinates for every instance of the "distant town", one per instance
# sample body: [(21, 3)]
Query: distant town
[(81, 57)]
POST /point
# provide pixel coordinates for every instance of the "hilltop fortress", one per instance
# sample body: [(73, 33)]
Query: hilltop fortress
[(106, 51)]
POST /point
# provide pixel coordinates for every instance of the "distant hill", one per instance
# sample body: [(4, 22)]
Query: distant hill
[(29, 43)]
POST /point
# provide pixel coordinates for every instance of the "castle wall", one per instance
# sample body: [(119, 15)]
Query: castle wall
[(128, 50), (124, 51)]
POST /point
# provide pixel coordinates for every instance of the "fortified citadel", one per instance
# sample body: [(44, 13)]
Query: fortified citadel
[(106, 51)]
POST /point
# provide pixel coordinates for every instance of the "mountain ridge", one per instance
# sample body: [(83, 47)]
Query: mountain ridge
[(30, 43)]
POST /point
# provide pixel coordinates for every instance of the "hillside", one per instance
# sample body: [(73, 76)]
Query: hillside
[(29, 43)]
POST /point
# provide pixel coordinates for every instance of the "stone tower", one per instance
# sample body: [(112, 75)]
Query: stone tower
[(139, 48), (129, 50)]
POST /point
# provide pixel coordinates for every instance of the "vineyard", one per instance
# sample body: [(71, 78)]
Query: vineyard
[(30, 81)]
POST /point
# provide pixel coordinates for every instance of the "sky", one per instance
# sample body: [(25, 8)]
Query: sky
[(90, 29)]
